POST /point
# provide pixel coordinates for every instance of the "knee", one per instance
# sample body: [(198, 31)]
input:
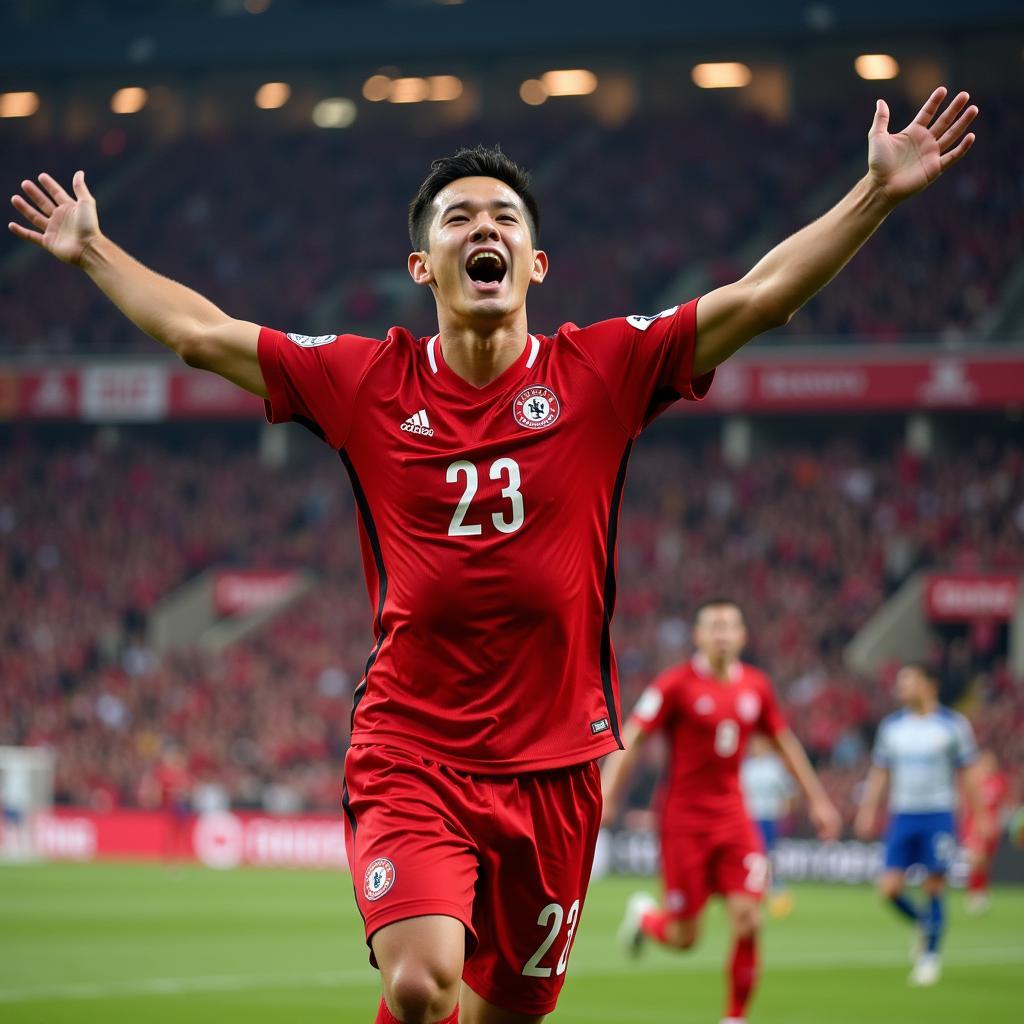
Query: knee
[(889, 886), (746, 922), (681, 934), (417, 992)]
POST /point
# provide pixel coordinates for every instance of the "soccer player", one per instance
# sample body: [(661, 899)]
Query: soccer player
[(918, 754), (995, 789), (487, 464), (768, 794), (709, 708)]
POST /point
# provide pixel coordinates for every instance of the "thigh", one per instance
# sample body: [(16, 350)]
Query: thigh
[(900, 844), (739, 865), (938, 844), (686, 870), (410, 853), (535, 866)]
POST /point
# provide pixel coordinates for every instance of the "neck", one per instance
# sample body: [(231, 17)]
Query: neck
[(924, 707), (480, 352), (721, 668)]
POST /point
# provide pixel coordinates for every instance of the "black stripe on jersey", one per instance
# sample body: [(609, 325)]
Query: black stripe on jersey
[(609, 594), (382, 578), (311, 425)]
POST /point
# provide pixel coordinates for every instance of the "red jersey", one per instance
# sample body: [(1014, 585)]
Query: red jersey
[(487, 520), (995, 789), (708, 723)]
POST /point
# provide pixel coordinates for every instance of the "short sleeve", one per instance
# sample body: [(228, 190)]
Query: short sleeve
[(314, 380), (966, 748), (646, 362), (882, 755), (652, 710), (772, 720)]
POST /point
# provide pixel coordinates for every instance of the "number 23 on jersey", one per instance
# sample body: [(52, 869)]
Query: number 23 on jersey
[(466, 473)]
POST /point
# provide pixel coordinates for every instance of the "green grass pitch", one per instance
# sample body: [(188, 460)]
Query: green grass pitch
[(118, 944)]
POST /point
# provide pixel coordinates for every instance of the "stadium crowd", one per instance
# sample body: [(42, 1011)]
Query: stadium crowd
[(97, 527), (627, 212)]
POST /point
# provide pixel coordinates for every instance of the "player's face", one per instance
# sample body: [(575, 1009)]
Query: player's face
[(719, 633), (480, 260), (911, 686)]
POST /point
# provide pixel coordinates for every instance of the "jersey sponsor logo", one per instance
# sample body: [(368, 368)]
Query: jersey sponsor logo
[(748, 705), (601, 725), (704, 704), (311, 340), (379, 877), (418, 423), (536, 407), (649, 704), (641, 323)]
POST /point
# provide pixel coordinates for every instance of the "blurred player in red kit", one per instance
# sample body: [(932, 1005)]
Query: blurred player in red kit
[(709, 708), (169, 787), (981, 847), (487, 464)]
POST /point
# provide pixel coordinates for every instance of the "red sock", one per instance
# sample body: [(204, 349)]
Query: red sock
[(385, 1016), (977, 880), (653, 924), (742, 975)]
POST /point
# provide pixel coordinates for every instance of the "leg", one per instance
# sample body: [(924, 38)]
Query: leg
[(476, 1010), (890, 885), (935, 917), (420, 962), (744, 921)]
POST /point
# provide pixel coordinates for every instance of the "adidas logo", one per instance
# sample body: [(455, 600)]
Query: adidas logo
[(419, 424)]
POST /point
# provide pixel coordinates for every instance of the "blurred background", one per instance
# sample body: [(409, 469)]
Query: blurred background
[(183, 615)]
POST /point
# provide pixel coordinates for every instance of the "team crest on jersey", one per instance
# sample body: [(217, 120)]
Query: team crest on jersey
[(704, 704), (748, 706), (536, 407), (379, 877), (310, 340)]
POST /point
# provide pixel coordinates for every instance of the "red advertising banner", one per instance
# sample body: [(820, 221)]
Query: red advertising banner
[(243, 592), (839, 379), (965, 598), (219, 840)]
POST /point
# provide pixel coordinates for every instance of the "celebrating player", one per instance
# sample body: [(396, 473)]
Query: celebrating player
[(709, 708), (995, 789), (487, 464), (918, 753)]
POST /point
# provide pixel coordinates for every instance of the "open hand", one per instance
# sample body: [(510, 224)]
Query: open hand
[(826, 820), (64, 225), (906, 162)]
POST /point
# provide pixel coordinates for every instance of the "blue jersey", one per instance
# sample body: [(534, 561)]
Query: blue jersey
[(923, 754)]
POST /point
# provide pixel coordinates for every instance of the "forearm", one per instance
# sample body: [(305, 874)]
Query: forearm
[(615, 775), (796, 269), (873, 789), (800, 767), (174, 315)]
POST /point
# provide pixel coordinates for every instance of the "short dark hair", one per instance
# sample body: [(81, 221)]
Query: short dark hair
[(717, 602), (924, 669), (477, 162)]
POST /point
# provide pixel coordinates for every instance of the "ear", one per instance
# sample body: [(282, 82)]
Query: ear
[(540, 266), (419, 268)]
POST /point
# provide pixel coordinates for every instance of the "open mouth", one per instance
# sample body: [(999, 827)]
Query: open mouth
[(486, 269)]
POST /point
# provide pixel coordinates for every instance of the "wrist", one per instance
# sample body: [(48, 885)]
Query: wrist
[(95, 252), (875, 195)]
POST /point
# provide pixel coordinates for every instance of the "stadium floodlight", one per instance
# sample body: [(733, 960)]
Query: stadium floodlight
[(443, 88), (129, 100), (569, 82), (257, 6), (18, 104), (377, 88), (533, 92), (272, 95), (876, 66), (409, 90), (334, 112), (721, 75)]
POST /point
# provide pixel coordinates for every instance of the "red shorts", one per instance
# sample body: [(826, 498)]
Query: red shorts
[(696, 864), (507, 855), (984, 848)]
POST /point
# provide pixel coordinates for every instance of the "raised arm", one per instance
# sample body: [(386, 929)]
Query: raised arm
[(823, 814), (617, 769), (192, 327), (899, 166)]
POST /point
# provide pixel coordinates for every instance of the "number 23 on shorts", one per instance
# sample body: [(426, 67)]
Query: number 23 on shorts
[(552, 917)]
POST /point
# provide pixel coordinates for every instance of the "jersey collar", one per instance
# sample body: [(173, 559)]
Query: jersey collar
[(443, 373), (702, 667)]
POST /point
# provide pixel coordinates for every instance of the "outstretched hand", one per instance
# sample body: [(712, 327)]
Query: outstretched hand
[(64, 225), (904, 163)]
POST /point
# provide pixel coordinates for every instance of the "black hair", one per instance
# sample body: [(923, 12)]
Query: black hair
[(478, 162), (924, 669), (717, 602)]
